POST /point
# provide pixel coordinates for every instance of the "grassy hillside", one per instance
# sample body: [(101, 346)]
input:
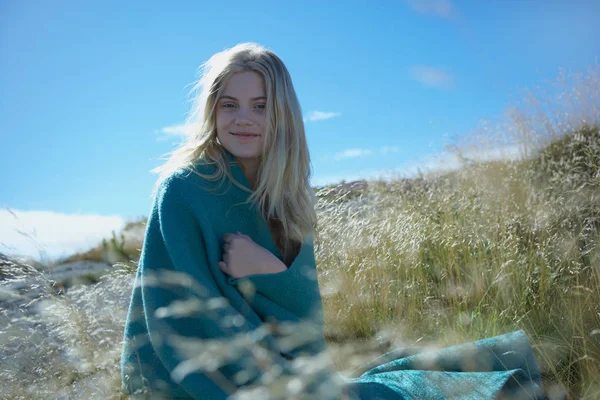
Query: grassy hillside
[(493, 247), (124, 248)]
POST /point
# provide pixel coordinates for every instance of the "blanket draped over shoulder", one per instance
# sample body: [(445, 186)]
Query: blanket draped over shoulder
[(192, 332)]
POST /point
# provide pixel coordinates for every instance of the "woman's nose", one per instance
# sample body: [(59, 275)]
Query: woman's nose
[(243, 117)]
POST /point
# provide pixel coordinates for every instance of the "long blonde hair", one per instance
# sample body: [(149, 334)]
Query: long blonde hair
[(282, 191)]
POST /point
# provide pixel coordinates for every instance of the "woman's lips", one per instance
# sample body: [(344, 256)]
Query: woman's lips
[(244, 134)]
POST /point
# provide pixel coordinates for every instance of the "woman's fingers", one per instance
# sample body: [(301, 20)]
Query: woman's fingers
[(226, 258), (230, 237), (242, 235), (233, 246), (223, 266)]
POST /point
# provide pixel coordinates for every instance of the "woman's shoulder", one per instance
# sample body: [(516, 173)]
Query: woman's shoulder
[(192, 182)]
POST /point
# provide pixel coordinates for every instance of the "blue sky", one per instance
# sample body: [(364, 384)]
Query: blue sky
[(94, 93)]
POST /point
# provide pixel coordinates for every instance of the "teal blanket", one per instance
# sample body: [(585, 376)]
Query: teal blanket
[(498, 367), (194, 333)]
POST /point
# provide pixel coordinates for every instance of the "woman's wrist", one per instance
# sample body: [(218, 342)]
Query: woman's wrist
[(276, 267)]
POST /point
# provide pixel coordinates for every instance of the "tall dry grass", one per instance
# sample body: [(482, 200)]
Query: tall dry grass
[(492, 247)]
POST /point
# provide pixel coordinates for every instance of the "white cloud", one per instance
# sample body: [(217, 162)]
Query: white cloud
[(454, 160), (432, 76), (352, 153), (53, 235), (439, 163), (320, 115), (177, 131), (357, 153), (438, 8)]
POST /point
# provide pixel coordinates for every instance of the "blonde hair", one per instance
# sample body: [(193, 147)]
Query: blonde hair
[(282, 190)]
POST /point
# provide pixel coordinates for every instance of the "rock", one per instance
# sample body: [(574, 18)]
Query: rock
[(62, 272)]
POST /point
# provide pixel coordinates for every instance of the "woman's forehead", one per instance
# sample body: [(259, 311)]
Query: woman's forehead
[(247, 84)]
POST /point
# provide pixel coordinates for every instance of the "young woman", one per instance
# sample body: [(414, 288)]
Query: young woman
[(226, 300)]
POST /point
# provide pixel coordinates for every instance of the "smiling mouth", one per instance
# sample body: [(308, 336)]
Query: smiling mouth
[(244, 134)]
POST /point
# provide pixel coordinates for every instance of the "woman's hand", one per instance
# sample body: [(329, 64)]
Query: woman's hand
[(243, 257)]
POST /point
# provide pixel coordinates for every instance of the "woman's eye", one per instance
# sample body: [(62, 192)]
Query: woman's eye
[(261, 106), (228, 105)]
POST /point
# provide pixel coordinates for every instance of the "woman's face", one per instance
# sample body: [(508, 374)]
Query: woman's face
[(241, 117)]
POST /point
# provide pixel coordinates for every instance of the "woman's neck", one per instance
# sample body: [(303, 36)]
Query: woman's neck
[(250, 170)]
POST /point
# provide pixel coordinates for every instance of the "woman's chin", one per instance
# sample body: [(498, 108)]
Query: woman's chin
[(244, 153)]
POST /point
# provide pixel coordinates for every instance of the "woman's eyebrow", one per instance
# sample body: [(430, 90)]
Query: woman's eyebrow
[(233, 98)]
